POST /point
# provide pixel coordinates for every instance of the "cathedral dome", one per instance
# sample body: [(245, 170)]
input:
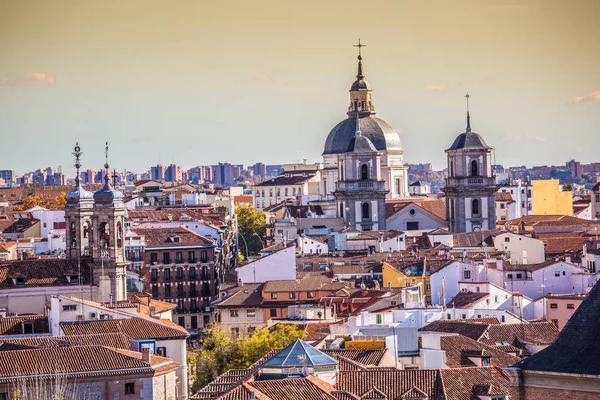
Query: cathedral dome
[(469, 141), (381, 135)]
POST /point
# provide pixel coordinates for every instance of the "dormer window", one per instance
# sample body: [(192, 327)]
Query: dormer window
[(74, 279), (19, 282)]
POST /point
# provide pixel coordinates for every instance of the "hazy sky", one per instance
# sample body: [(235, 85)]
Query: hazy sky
[(198, 82)]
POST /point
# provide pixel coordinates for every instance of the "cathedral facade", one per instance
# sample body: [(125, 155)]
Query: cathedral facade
[(363, 161)]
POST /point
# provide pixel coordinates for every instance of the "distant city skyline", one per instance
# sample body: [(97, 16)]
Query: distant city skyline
[(197, 83)]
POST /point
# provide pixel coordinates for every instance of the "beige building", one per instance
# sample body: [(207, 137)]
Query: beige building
[(239, 308)]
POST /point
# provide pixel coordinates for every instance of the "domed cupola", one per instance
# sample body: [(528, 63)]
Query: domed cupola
[(469, 140), (78, 194), (107, 195)]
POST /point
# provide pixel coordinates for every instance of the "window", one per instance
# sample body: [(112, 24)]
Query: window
[(507, 239), (192, 273), (153, 258), (194, 321), (485, 362), (495, 299), (251, 313), (233, 314), (179, 274), (161, 351), (181, 321), (475, 209), (398, 186), (273, 296), (364, 172), (366, 214), (467, 274), (556, 273), (193, 305), (509, 276), (502, 206), (154, 291), (571, 306), (378, 319), (519, 276), (130, 388), (193, 290), (341, 210), (20, 281), (598, 198), (166, 258), (153, 275), (74, 279), (167, 291), (286, 191), (270, 192), (179, 257), (310, 295), (251, 330), (70, 307), (191, 256), (412, 225), (292, 295), (179, 290), (204, 256), (167, 274), (474, 168), (273, 312), (553, 305), (180, 306), (235, 332)]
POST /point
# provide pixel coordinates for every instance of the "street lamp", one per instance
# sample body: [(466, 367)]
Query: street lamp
[(245, 244), (261, 241)]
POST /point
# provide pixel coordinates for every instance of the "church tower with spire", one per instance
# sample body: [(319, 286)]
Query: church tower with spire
[(108, 241), (470, 186), (362, 116), (78, 214)]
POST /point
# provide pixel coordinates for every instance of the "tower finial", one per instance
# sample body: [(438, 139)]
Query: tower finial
[(357, 130), (360, 75), (468, 115), (106, 166), (77, 153)]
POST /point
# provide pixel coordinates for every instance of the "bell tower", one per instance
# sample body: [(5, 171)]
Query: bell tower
[(108, 242), (361, 94), (78, 215)]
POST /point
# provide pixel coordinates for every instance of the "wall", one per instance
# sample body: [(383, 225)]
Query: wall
[(549, 200), (523, 249), (277, 266)]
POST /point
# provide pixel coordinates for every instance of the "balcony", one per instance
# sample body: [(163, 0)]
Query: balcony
[(350, 186), (471, 181)]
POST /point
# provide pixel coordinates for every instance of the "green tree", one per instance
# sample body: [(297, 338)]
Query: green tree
[(221, 351), (251, 228)]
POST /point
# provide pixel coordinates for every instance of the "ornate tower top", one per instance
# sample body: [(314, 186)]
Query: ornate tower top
[(78, 193), (467, 96), (360, 91), (107, 195)]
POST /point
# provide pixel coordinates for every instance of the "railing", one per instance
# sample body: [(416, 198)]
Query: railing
[(360, 185)]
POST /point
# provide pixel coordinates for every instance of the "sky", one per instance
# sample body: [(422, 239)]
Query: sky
[(199, 82)]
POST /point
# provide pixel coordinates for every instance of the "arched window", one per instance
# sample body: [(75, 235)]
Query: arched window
[(119, 235), (474, 168), (73, 235), (475, 207), (451, 167), (366, 211), (364, 172), (104, 235)]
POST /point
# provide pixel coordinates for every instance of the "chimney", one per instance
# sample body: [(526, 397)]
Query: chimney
[(146, 354)]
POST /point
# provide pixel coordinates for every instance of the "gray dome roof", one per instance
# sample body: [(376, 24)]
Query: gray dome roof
[(360, 84), (78, 193), (361, 144), (107, 195), (469, 141), (382, 136)]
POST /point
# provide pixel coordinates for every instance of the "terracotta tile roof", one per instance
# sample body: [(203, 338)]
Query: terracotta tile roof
[(248, 295), (436, 207), (457, 348), (504, 196), (596, 187), (21, 225), (115, 340), (367, 357), (529, 267), (462, 383), (77, 361), (294, 389), (47, 272), (561, 243), (135, 328), (308, 283), (471, 330), (375, 235), (484, 320), (475, 239), (467, 299), (175, 214), (172, 237), (14, 325), (392, 383)]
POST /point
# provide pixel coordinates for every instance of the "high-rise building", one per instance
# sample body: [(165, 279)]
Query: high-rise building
[(173, 173), (224, 174), (9, 177), (259, 169), (158, 172)]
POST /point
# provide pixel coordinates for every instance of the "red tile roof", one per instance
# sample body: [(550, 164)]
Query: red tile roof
[(462, 383), (77, 361), (47, 272), (457, 348), (115, 340), (283, 180), (293, 389), (135, 328), (170, 237), (14, 325), (436, 207), (467, 299)]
